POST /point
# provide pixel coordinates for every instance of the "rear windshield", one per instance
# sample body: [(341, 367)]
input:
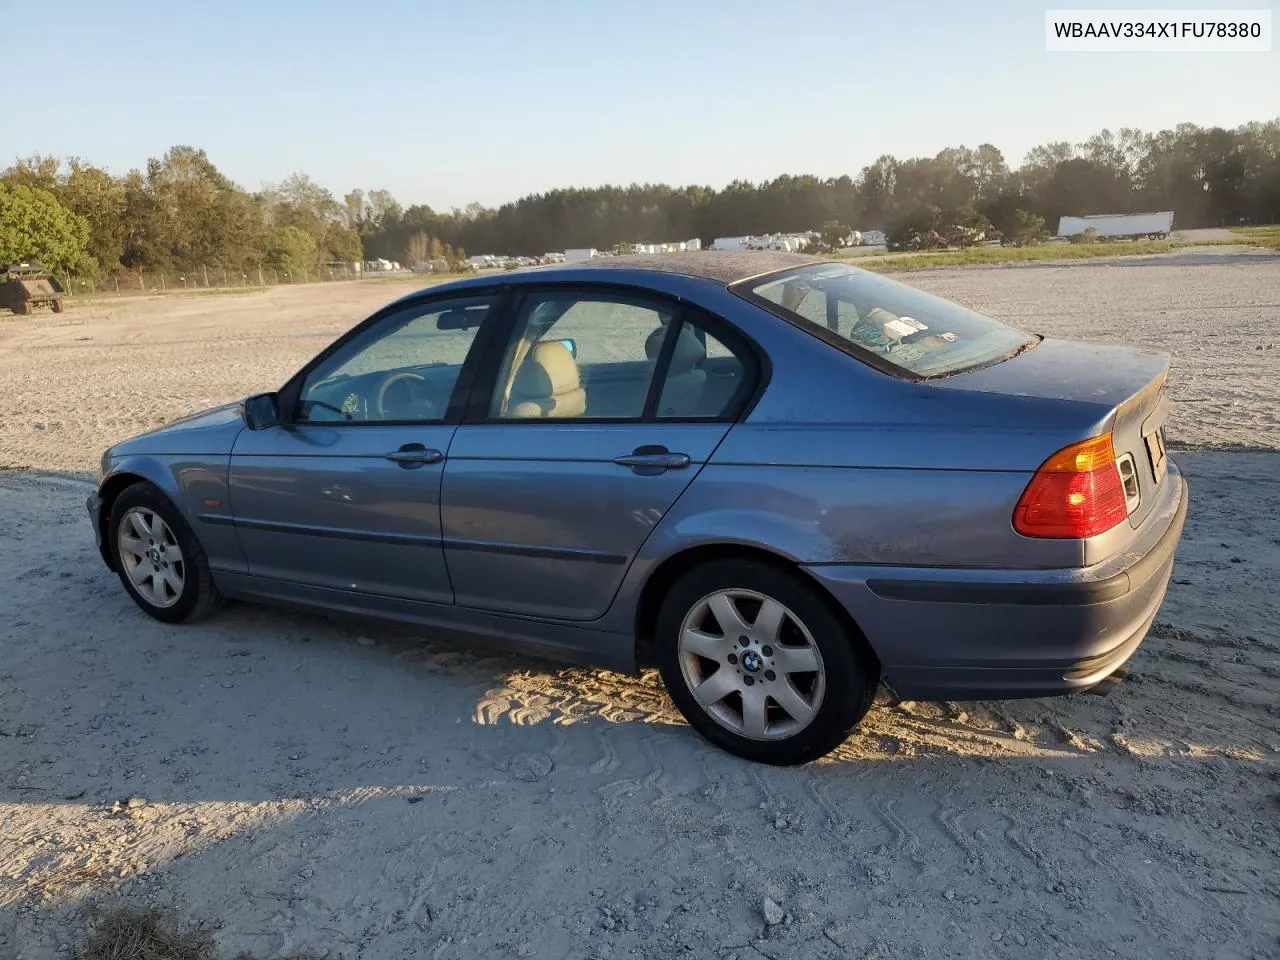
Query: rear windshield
[(895, 327)]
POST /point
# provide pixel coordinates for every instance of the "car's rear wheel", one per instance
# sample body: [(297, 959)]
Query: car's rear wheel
[(159, 560), (57, 306), (759, 663)]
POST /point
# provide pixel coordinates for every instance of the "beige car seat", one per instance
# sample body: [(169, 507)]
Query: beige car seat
[(682, 393), (547, 384)]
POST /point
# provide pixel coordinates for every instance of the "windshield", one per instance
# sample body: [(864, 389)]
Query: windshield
[(895, 327)]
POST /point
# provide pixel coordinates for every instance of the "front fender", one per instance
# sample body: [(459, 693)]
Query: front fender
[(197, 486)]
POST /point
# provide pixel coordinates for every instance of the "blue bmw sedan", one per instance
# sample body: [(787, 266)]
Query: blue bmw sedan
[(781, 479)]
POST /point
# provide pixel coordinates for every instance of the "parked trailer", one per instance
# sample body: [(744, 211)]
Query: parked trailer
[(577, 254), (1132, 226), (24, 286)]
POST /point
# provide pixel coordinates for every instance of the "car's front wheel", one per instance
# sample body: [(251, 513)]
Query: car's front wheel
[(760, 665), (159, 560)]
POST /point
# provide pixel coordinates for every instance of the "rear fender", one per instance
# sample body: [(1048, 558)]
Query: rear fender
[(696, 522)]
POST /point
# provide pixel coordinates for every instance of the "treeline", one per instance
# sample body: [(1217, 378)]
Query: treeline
[(182, 213), (1207, 176)]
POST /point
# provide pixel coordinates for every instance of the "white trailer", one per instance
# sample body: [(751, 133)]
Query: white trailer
[(730, 243), (1155, 226), (579, 253)]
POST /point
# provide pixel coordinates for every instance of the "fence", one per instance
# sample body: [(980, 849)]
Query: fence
[(140, 281)]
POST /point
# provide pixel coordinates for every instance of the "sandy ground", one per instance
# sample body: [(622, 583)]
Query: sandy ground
[(370, 793)]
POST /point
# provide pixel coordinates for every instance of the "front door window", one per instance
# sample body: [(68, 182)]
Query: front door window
[(403, 369)]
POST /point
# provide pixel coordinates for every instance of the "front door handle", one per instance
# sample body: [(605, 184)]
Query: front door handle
[(414, 453), (653, 458)]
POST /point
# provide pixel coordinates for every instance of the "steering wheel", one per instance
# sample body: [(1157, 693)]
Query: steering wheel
[(415, 391)]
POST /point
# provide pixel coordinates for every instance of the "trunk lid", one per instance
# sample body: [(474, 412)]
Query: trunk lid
[(1126, 384)]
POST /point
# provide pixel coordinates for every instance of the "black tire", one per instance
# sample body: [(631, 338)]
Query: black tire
[(57, 306), (850, 669), (199, 596), (24, 308)]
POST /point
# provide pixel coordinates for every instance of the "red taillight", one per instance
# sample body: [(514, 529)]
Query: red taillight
[(1076, 493)]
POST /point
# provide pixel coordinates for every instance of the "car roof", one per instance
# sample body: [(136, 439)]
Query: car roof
[(727, 266), (715, 267)]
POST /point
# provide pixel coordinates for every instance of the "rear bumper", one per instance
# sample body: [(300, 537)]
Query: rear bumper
[(946, 634)]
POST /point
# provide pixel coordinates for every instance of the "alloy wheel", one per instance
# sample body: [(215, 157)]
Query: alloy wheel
[(751, 664), (151, 557)]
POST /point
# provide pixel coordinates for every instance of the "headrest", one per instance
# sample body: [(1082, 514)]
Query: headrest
[(690, 351), (547, 371)]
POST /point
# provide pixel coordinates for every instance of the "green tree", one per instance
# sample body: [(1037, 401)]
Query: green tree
[(97, 196), (833, 236), (34, 226), (293, 250), (1026, 230), (342, 245), (40, 172), (418, 249), (917, 230), (353, 209), (180, 212)]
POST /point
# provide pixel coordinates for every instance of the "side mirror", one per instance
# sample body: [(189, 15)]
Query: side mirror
[(261, 411), (572, 346)]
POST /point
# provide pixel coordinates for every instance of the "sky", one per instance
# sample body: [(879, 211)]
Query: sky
[(489, 100)]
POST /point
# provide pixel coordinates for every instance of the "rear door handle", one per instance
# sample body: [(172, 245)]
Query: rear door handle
[(653, 458), (414, 453)]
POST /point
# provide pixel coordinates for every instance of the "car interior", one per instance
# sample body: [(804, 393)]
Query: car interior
[(372, 383), (544, 378), (550, 381)]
